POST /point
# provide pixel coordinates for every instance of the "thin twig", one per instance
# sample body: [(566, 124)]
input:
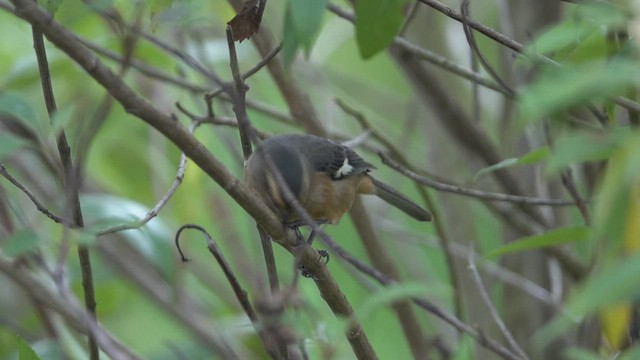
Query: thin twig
[(437, 220), (471, 40), (484, 295), (62, 302), (423, 303), (426, 55), (245, 130), (185, 310), (472, 192), (71, 183), (250, 72), (581, 204), (355, 333), (162, 202), (241, 294), (34, 200), (238, 94)]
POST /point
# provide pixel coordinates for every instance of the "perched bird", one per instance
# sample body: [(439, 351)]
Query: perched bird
[(323, 175)]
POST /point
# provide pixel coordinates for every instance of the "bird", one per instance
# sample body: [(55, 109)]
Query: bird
[(323, 175)]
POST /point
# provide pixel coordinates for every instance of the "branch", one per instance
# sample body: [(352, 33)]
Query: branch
[(126, 260), (71, 182), (426, 55), (510, 43), (484, 195), (427, 305), (34, 200), (67, 306), (484, 295), (241, 294), (141, 108), (163, 201)]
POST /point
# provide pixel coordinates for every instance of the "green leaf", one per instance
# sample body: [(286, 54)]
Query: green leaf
[(21, 242), (529, 158), (25, 351), (559, 37), (559, 88), (613, 201), (104, 211), (62, 117), (619, 281), (9, 144), (582, 36), (585, 147), (377, 23), (551, 238), (290, 42), (306, 17)]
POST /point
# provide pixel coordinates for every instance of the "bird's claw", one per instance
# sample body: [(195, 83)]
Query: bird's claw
[(324, 254)]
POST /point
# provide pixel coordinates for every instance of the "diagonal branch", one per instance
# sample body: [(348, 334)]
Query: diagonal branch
[(141, 108)]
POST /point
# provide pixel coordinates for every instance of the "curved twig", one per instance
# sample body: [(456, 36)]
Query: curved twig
[(240, 293)]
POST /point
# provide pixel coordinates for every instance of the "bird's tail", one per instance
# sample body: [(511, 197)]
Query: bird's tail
[(403, 203)]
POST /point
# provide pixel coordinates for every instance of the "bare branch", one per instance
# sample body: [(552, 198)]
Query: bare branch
[(71, 183), (34, 200), (484, 295), (471, 192), (241, 294), (423, 303)]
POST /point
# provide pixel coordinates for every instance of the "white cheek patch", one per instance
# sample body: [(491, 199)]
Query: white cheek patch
[(344, 170)]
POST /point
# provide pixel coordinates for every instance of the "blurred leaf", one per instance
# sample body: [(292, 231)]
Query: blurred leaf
[(582, 36), (615, 320), (531, 157), (290, 42), (617, 282), (614, 208), (156, 7), (16, 105), (377, 23), (558, 37), (50, 5), (390, 294), (602, 14), (25, 351), (302, 21), (85, 237), (103, 211), (632, 231), (581, 147), (62, 117), (613, 283), (559, 88), (9, 144), (306, 16), (21, 242), (551, 238)]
